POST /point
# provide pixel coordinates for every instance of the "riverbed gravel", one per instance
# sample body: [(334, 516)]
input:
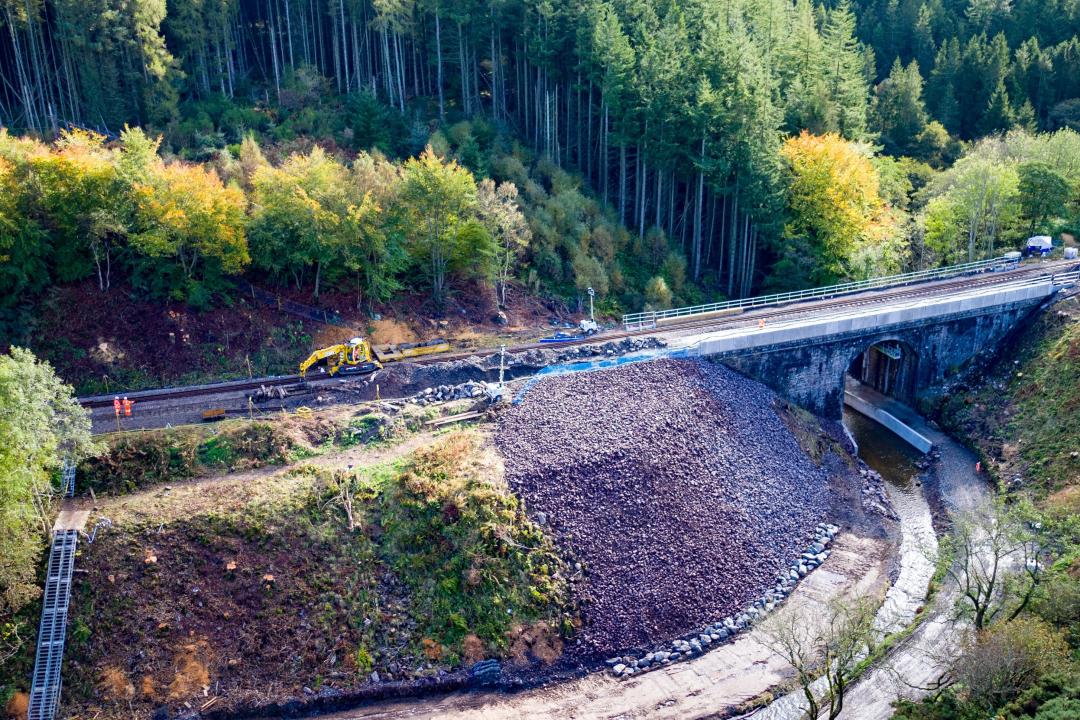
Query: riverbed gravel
[(676, 484)]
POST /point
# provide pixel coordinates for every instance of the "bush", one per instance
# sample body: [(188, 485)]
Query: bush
[(1008, 659), (472, 560), (658, 295), (140, 460), (154, 457)]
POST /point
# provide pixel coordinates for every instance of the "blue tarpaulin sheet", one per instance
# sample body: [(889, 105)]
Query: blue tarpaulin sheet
[(600, 364)]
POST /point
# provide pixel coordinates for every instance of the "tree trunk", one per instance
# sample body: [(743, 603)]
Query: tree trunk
[(622, 182), (588, 128), (697, 215), (659, 197), (732, 248), (604, 152), (344, 47), (288, 31), (438, 55), (463, 71), (274, 58)]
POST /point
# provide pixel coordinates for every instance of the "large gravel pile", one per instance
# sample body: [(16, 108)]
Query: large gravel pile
[(675, 483)]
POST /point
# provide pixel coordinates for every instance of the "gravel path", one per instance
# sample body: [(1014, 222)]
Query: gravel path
[(675, 483)]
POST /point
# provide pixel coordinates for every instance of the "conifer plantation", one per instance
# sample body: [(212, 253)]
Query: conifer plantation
[(661, 152)]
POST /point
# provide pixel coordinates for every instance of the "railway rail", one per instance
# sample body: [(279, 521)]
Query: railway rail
[(754, 315)]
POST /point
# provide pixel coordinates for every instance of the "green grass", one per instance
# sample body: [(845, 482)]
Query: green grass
[(439, 567), (474, 564)]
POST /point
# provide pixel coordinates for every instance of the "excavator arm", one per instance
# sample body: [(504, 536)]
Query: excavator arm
[(318, 355)]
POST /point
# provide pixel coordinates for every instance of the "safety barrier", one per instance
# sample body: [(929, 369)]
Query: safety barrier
[(1063, 279), (648, 320)]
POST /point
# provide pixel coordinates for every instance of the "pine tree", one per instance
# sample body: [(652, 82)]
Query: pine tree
[(999, 114), (848, 88), (901, 115), (941, 89), (925, 47)]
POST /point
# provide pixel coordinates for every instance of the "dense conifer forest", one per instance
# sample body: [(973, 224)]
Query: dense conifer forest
[(660, 151)]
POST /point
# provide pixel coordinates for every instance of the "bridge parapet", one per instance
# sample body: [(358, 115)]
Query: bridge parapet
[(651, 319), (805, 359)]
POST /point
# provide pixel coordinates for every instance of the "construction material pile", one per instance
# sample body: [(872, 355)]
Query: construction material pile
[(676, 484), (410, 379), (446, 393)]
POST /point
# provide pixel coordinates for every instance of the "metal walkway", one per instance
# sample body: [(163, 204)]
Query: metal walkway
[(45, 686), (68, 479)]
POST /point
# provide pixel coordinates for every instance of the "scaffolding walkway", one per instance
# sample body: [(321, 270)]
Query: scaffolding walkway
[(68, 478), (46, 681)]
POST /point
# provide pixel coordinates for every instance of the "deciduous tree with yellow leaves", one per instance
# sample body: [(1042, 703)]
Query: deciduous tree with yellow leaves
[(839, 226)]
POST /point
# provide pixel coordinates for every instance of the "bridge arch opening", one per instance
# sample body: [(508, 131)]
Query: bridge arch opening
[(888, 366)]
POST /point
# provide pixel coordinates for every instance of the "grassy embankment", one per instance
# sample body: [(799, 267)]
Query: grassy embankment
[(1024, 415), (416, 561)]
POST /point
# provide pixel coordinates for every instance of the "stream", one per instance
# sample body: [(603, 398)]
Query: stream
[(896, 461)]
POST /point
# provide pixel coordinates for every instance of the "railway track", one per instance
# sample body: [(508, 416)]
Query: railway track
[(864, 298)]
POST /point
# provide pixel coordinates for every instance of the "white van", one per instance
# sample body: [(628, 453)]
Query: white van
[(1040, 245)]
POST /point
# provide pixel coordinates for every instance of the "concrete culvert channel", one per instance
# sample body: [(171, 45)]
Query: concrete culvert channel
[(679, 486)]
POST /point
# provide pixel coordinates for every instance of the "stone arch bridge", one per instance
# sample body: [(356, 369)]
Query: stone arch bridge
[(900, 348)]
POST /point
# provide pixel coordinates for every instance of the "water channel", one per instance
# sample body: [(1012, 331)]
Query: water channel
[(897, 463), (882, 449)]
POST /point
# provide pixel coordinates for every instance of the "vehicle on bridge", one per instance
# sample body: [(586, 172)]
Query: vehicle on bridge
[(359, 356)]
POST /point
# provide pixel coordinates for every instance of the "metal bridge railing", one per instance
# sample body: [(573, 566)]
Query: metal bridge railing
[(1067, 278), (649, 319)]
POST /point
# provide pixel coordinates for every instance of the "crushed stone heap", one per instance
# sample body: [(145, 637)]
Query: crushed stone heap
[(675, 483)]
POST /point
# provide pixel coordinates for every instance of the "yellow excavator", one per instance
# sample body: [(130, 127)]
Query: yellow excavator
[(360, 357)]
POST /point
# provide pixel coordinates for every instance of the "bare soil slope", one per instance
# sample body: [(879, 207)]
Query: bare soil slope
[(677, 484)]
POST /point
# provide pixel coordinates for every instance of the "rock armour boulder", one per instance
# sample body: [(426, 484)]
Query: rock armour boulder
[(674, 483)]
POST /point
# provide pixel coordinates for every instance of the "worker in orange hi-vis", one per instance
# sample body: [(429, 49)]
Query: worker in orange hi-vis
[(127, 407), (761, 323), (116, 405)]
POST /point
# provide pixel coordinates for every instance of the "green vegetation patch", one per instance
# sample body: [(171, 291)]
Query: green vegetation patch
[(1023, 418), (474, 564), (406, 568), (143, 459)]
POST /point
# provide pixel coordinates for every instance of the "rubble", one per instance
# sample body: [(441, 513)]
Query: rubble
[(446, 393), (462, 379), (679, 489), (713, 635), (875, 499)]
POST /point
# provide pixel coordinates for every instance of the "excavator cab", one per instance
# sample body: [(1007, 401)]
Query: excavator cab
[(353, 357)]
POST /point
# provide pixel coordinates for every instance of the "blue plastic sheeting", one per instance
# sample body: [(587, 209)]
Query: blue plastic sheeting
[(591, 365)]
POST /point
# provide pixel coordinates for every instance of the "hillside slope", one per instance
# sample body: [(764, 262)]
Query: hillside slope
[(1022, 415)]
